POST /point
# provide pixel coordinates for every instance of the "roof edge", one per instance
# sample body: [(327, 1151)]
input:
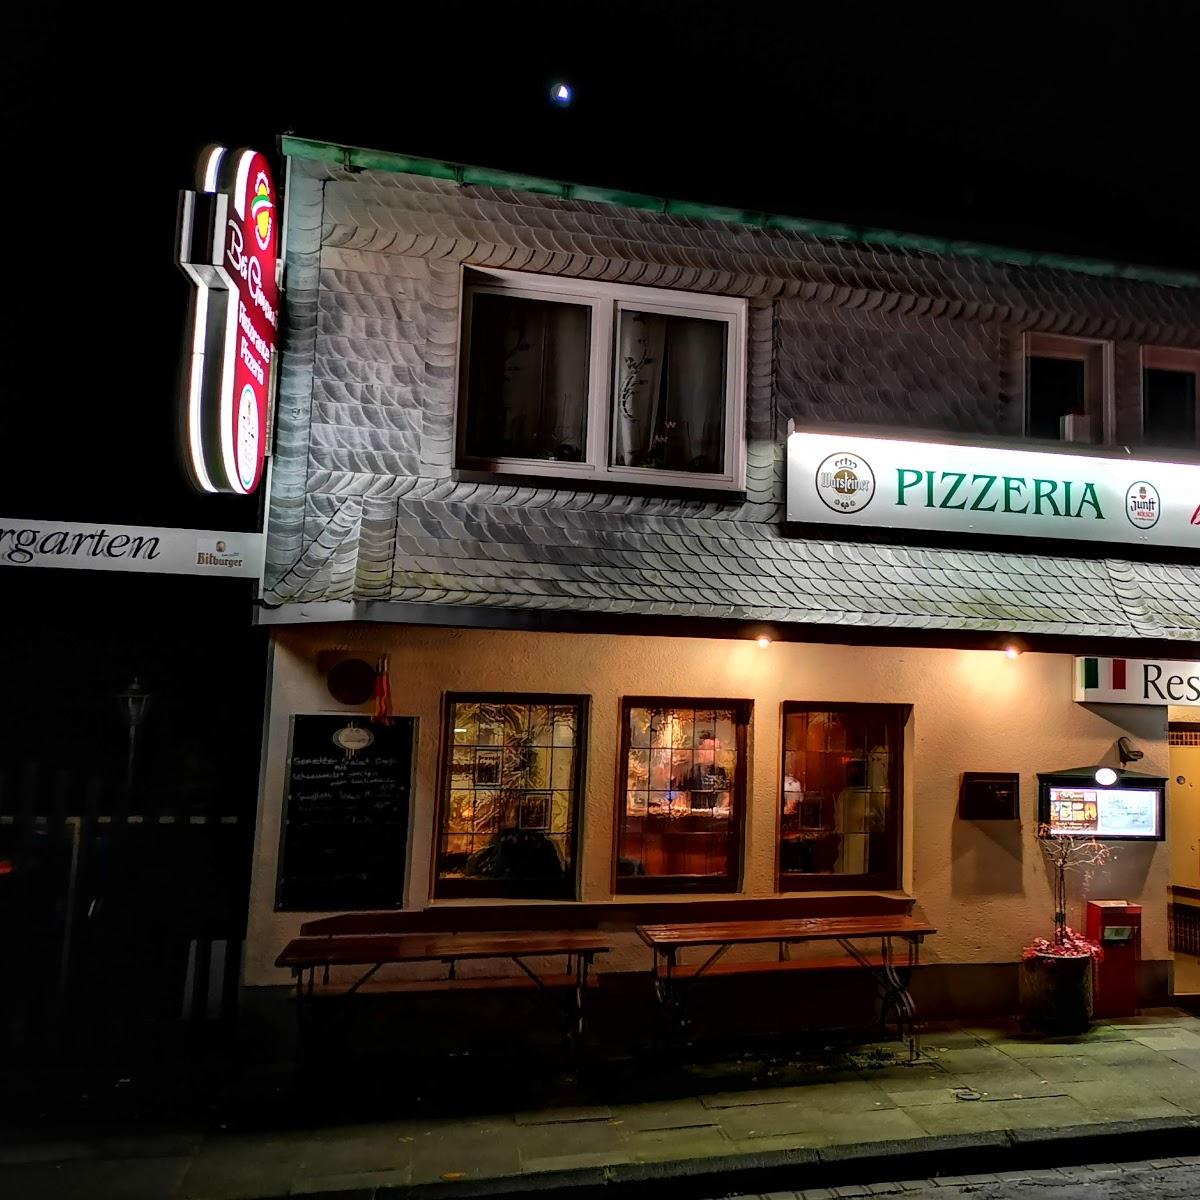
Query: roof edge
[(359, 158)]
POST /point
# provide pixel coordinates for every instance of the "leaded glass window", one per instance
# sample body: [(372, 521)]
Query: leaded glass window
[(682, 795), (512, 771)]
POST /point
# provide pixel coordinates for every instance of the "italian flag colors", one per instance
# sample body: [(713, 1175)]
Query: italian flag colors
[(1108, 674)]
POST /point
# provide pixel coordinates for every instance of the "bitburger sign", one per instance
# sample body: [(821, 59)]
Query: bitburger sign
[(852, 481)]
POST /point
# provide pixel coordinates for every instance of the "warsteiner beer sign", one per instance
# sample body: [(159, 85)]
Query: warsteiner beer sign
[(853, 481), (228, 247)]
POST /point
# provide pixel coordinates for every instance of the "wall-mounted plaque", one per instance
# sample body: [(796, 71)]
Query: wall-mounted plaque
[(990, 796), (345, 814)]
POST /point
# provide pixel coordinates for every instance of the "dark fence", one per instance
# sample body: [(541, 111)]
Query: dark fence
[(121, 912)]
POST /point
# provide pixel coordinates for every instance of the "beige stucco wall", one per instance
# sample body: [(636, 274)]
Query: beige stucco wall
[(983, 884)]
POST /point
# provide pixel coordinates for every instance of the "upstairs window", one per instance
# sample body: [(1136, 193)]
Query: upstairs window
[(1170, 397), (1065, 379), (580, 380)]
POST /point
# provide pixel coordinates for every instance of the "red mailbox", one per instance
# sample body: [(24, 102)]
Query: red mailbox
[(1117, 926)]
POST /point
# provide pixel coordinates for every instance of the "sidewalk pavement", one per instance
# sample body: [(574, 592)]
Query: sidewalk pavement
[(980, 1099)]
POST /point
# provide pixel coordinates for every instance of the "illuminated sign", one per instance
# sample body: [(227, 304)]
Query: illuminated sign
[(1137, 681), (1104, 812), (941, 487), (228, 247), (152, 549)]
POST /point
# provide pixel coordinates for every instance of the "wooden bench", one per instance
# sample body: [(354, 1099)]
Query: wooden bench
[(672, 977), (305, 956)]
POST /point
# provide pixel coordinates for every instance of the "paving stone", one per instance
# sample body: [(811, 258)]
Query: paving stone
[(570, 1162), (1185, 1058), (982, 1058), (1072, 1069), (1113, 1100), (343, 1151), (983, 1116), (1169, 1039), (234, 1166), (668, 1114), (886, 1125), (461, 1153), (43, 1152), (97, 1179), (844, 1193), (355, 1180), (563, 1116), (657, 1145), (769, 1120), (942, 1095)]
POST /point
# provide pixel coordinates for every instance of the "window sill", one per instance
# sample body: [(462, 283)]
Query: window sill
[(731, 495)]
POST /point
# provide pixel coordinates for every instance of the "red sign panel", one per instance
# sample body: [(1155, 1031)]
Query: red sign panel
[(229, 248)]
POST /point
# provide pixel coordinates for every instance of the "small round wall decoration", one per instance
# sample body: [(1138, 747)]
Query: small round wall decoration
[(352, 681)]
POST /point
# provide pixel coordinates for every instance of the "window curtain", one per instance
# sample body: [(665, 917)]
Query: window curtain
[(670, 393), (529, 382)]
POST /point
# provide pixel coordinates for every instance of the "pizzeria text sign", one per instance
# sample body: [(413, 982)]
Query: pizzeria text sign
[(1137, 681), (854, 481)]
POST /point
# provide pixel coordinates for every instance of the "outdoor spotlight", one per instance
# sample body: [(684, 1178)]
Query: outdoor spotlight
[(763, 642), (1127, 752), (1105, 776), (561, 94), (1011, 651)]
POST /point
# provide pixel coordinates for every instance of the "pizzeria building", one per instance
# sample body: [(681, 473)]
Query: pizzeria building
[(715, 562)]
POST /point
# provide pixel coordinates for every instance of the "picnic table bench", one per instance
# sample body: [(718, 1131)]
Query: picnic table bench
[(890, 973), (305, 956)]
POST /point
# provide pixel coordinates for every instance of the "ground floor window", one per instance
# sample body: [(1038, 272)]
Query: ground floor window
[(682, 789), (839, 826), (512, 771)]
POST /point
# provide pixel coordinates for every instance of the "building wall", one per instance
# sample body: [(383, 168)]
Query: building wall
[(983, 884)]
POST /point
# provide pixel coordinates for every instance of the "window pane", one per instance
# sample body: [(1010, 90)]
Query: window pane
[(1169, 408), (682, 803), (527, 390), (839, 812), (510, 799), (669, 408), (1054, 388)]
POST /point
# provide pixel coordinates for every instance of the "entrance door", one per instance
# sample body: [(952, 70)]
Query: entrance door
[(1183, 825)]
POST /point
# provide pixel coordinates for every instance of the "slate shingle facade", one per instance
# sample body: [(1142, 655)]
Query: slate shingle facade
[(365, 506)]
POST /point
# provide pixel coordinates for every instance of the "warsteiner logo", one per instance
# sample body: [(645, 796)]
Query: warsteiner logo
[(845, 483)]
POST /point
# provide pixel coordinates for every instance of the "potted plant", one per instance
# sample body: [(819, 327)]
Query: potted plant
[(1056, 975)]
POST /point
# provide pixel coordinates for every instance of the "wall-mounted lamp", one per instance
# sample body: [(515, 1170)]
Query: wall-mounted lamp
[(762, 643), (1011, 651), (1126, 750), (1106, 776)]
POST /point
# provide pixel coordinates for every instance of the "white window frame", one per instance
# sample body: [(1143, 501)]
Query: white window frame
[(606, 301)]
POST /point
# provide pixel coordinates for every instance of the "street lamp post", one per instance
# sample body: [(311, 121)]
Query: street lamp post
[(134, 702)]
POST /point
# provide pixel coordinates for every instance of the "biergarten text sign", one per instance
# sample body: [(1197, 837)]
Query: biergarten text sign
[(1137, 681), (942, 487), (149, 548)]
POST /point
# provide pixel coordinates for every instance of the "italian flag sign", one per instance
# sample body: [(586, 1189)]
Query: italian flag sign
[(1137, 681)]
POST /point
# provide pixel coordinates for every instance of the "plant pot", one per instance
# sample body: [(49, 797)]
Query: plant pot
[(1056, 994)]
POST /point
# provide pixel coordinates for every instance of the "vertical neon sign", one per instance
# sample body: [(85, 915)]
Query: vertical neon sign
[(228, 247)]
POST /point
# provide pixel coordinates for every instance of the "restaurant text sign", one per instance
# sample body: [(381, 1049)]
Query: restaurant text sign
[(1137, 681), (228, 246), (853, 481), (25, 543)]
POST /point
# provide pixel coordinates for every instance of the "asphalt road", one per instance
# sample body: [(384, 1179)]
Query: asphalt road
[(1161, 1180)]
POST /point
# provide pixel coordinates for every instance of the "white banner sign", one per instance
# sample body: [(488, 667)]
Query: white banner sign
[(896, 484), (1137, 681), (25, 543)]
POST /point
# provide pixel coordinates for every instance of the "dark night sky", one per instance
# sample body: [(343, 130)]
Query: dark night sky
[(1065, 127)]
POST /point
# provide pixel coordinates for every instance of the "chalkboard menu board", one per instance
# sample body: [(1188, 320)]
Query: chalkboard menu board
[(345, 815)]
